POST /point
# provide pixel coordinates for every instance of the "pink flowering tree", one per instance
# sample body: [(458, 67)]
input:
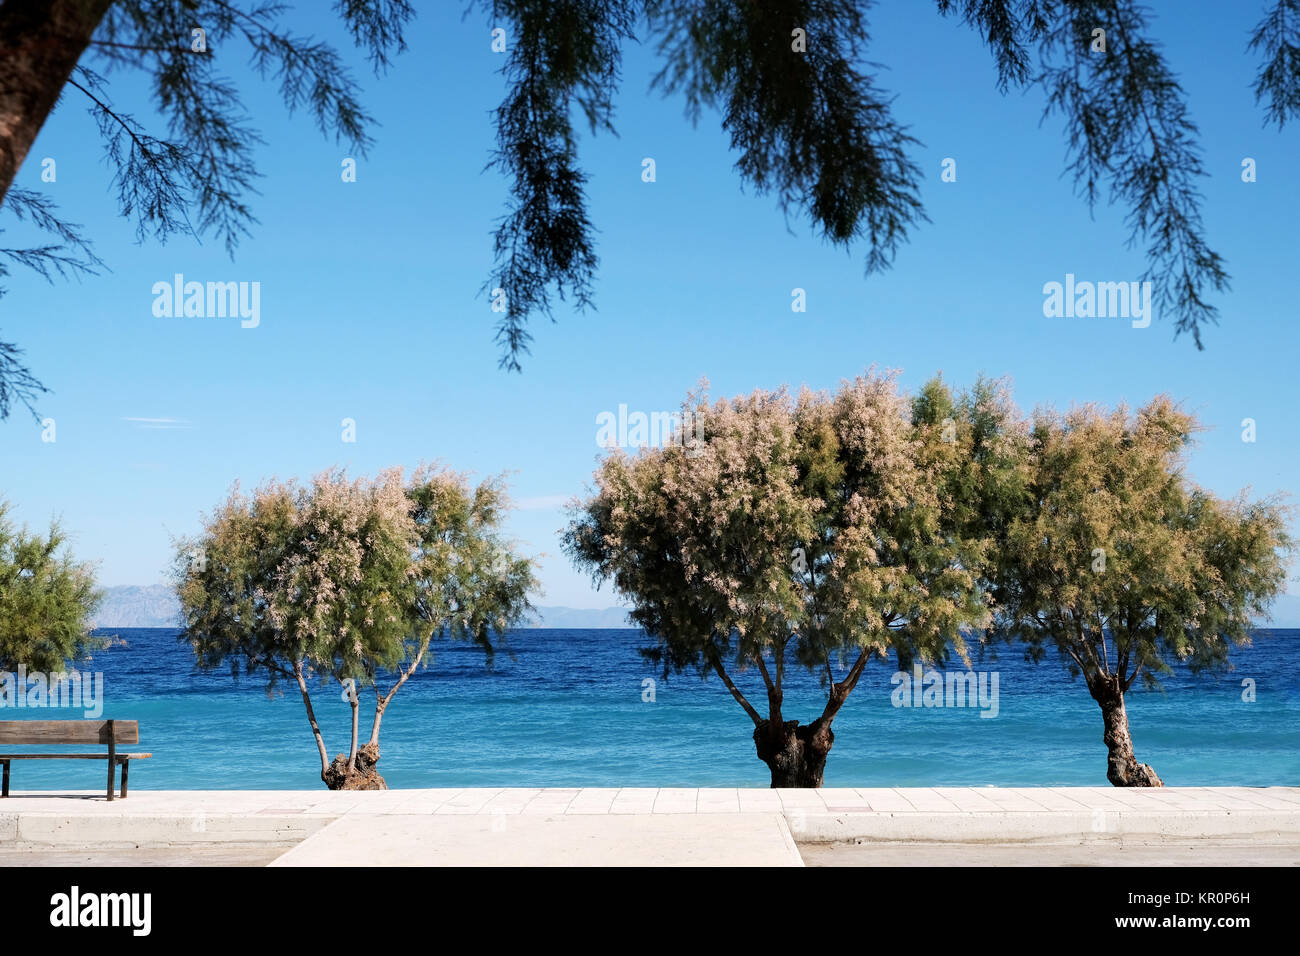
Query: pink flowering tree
[(345, 583), (1125, 567), (815, 530)]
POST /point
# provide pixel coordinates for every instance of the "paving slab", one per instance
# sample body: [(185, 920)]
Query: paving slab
[(675, 800), (468, 801), (593, 801), (969, 798), (550, 801), (931, 800), (635, 800), (884, 800), (655, 839), (759, 801), (721, 800)]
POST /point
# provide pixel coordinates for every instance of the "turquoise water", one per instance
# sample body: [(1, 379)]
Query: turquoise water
[(567, 710)]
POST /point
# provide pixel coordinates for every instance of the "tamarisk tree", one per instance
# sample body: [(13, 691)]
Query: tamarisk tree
[(804, 531), (346, 583), (1125, 567), (47, 599)]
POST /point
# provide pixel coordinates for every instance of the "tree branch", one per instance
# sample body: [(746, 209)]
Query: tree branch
[(712, 654)]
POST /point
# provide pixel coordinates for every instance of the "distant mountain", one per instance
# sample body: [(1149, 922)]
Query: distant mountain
[(155, 605), (134, 605)]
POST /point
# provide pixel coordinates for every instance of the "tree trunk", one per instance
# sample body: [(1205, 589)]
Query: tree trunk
[(355, 702), (340, 776), (795, 754), (40, 43), (1123, 769)]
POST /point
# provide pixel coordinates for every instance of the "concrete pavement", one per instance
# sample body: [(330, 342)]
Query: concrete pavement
[(638, 826), (629, 839), (1095, 853)]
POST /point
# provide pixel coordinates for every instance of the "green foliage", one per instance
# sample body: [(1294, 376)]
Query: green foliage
[(198, 178), (812, 127), (1123, 564), (702, 545), (68, 255), (348, 578), (816, 526), (350, 581), (47, 599), (206, 162), (563, 52), (913, 523), (980, 443), (17, 383), (468, 584), (1128, 126), (1277, 36)]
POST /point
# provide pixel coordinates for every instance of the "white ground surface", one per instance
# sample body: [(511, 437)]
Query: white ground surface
[(689, 827)]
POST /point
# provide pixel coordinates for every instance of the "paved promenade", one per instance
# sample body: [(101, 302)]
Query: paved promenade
[(631, 826)]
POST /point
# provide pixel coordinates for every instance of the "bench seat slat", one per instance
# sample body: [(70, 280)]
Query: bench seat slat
[(32, 733), (99, 756)]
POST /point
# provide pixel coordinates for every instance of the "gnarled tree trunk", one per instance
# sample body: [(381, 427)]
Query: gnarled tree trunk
[(363, 776), (1122, 769), (795, 754)]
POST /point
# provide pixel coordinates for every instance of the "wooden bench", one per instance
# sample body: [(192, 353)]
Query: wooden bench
[(44, 733)]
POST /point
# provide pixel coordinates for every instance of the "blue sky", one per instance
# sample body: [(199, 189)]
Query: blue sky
[(370, 304)]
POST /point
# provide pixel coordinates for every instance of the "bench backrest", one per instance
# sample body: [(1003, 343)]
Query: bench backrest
[(31, 733)]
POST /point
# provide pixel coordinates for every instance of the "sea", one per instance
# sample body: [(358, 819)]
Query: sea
[(575, 708)]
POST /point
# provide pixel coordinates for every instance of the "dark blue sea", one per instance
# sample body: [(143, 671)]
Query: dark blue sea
[(566, 708)]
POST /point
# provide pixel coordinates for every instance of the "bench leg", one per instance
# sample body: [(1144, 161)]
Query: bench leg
[(112, 756), (5, 791), (126, 766)]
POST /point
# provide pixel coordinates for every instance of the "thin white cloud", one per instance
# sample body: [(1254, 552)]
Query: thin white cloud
[(139, 422)]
